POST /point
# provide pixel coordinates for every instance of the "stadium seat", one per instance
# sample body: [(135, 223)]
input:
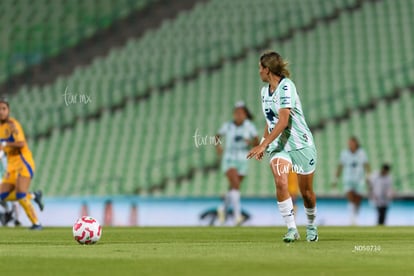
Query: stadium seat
[(340, 65), (44, 28)]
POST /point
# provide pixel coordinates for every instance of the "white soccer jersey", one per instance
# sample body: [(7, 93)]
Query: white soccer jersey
[(353, 166), (297, 135), (236, 147)]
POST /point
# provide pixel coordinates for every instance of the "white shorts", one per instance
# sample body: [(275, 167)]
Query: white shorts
[(303, 160), (240, 165), (354, 186)]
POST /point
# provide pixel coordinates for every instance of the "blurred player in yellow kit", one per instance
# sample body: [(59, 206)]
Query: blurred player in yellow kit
[(20, 165), (293, 188)]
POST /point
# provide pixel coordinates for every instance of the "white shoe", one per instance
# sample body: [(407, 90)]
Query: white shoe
[(239, 221)]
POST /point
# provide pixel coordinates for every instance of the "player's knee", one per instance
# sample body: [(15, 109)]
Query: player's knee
[(281, 183), (308, 196)]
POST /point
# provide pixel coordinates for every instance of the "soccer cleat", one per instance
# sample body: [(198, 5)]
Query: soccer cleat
[(17, 223), (36, 227), (38, 199), (311, 233), (8, 216), (291, 235), (239, 221), (3, 219)]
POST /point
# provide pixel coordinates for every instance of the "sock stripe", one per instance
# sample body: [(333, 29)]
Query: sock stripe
[(20, 195), (4, 195)]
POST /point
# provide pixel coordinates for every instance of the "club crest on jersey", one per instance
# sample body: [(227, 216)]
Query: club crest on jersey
[(238, 138)]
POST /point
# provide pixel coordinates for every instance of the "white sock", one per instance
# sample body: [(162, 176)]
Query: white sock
[(235, 201), (311, 215), (355, 209), (15, 209), (354, 212), (287, 212), (226, 202)]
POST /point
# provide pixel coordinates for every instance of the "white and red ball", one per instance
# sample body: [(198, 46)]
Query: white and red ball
[(87, 230)]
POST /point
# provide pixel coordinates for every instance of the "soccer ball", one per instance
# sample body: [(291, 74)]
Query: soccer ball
[(87, 230)]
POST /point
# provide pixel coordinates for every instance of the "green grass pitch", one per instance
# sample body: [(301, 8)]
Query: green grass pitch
[(209, 251)]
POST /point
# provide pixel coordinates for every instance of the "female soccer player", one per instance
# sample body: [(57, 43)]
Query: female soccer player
[(20, 164), (288, 140), (354, 164), (240, 134)]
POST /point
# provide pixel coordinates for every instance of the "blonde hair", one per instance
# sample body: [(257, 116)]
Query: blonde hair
[(276, 64)]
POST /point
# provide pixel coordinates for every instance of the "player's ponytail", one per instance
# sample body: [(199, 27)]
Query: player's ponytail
[(249, 115), (276, 64), (242, 105)]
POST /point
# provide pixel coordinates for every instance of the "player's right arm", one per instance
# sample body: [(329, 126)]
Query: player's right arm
[(218, 139), (367, 167), (265, 134)]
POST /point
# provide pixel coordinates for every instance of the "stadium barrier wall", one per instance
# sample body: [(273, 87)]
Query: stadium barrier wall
[(150, 211)]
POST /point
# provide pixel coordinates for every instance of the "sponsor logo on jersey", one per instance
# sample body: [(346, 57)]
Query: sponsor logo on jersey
[(285, 100)]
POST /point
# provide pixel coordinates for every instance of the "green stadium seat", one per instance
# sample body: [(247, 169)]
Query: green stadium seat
[(44, 28), (337, 66)]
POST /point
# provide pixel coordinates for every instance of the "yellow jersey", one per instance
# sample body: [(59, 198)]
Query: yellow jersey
[(19, 160)]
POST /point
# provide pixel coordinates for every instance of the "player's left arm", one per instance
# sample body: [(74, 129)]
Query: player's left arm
[(255, 141), (16, 144), (367, 168)]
